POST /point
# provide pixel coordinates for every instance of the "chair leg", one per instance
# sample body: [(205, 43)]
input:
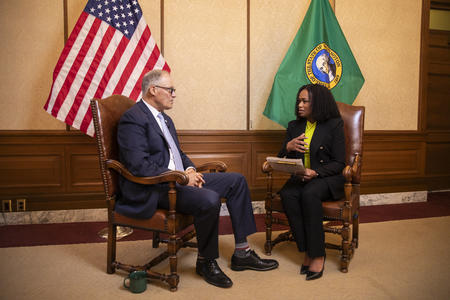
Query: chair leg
[(268, 244), (156, 239), (111, 251), (173, 278), (345, 258), (355, 230)]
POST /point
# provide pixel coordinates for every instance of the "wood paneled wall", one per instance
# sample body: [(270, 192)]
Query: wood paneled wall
[(60, 170), (437, 108), (438, 96)]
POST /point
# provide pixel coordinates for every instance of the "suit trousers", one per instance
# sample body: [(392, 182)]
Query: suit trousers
[(205, 203), (302, 203)]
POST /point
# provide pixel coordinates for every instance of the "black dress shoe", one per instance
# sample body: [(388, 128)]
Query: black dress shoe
[(211, 272), (252, 262), (304, 269), (315, 275)]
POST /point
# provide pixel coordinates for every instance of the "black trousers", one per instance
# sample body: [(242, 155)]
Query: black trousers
[(204, 204), (302, 203)]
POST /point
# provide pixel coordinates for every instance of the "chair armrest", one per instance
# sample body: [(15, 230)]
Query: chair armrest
[(213, 166), (174, 176), (356, 172), (350, 172), (266, 168)]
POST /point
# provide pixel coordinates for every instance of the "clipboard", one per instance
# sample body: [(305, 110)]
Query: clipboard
[(286, 165)]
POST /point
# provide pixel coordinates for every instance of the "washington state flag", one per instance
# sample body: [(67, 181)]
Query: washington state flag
[(319, 54)]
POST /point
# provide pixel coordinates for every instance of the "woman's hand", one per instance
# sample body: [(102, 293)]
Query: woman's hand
[(308, 175), (297, 144)]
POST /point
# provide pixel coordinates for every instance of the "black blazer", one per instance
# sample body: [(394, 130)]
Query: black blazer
[(327, 151), (143, 150)]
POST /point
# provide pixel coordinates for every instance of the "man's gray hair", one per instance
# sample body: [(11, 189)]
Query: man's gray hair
[(151, 78)]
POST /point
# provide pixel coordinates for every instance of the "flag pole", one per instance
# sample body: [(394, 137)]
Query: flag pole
[(66, 35), (161, 5)]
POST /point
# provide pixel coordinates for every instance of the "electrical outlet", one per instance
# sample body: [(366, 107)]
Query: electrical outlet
[(21, 204), (6, 205)]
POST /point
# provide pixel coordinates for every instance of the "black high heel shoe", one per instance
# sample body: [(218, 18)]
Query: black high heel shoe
[(304, 269), (315, 275)]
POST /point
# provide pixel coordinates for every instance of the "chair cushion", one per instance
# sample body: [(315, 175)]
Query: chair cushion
[(157, 222), (331, 209)]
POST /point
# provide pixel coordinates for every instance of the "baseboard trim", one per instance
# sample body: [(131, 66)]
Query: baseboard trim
[(100, 214)]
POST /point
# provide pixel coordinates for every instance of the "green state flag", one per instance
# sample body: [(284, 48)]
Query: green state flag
[(319, 54)]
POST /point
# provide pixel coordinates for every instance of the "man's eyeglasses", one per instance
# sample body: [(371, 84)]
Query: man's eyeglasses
[(171, 90)]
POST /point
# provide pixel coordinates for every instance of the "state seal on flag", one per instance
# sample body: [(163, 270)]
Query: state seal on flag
[(323, 66)]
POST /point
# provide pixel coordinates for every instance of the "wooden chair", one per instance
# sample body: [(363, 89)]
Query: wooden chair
[(106, 114), (342, 215)]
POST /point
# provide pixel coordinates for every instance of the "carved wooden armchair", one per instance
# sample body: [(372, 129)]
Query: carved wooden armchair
[(342, 216), (106, 115)]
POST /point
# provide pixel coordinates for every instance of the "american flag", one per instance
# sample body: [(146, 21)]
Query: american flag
[(109, 50)]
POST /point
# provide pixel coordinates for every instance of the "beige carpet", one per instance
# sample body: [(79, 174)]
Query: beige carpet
[(395, 260)]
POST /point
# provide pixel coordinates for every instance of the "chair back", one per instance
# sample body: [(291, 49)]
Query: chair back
[(106, 114), (353, 117)]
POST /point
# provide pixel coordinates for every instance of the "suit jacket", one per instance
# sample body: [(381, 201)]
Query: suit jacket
[(327, 151), (144, 152)]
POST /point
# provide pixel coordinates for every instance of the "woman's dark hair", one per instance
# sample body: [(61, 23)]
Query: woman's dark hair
[(323, 105)]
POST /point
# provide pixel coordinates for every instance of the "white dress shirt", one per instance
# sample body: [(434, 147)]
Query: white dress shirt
[(155, 113)]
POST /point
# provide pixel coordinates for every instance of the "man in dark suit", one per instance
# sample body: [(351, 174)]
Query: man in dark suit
[(148, 147)]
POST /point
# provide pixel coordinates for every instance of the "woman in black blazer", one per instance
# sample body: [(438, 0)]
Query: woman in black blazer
[(317, 137)]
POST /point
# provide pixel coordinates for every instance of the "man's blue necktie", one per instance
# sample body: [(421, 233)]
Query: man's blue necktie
[(172, 145)]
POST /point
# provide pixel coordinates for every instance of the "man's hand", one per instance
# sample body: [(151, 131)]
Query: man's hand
[(297, 144), (195, 179)]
